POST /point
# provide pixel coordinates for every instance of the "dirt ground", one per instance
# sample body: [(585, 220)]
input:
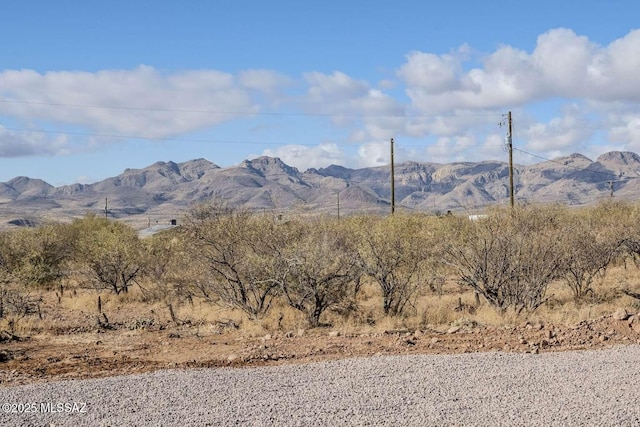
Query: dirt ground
[(106, 352)]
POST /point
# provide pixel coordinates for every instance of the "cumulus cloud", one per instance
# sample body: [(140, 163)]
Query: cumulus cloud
[(431, 73), (453, 103), (346, 99), (566, 133), (305, 157), (139, 102), (598, 84), (21, 144), (563, 64), (627, 131), (374, 154), (266, 81)]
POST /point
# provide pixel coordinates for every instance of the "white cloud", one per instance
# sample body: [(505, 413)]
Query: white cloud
[(562, 64), (374, 154), (627, 131), (378, 153), (20, 144), (84, 179), (139, 102), (266, 81), (347, 100), (561, 134), (305, 157), (432, 73), (454, 102)]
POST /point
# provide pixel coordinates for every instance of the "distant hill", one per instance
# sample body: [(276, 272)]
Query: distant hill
[(165, 190)]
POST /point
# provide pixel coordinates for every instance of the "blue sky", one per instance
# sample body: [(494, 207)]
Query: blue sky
[(88, 88)]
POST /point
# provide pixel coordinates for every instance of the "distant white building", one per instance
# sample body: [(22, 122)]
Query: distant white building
[(150, 231), (477, 217)]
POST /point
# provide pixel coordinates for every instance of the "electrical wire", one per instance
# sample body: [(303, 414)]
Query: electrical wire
[(203, 140), (609, 174), (244, 113)]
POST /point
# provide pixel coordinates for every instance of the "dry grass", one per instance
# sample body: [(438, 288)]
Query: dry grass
[(77, 310)]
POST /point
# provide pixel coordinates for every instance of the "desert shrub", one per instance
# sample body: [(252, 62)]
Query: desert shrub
[(234, 251), (509, 257), (108, 254), (322, 267), (391, 252), (17, 302), (165, 267), (591, 240), (35, 256), (630, 245)]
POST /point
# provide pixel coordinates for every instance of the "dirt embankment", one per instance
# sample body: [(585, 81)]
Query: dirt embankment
[(105, 352)]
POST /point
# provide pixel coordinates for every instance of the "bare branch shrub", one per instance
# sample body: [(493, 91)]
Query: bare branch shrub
[(391, 252), (16, 302), (165, 267), (234, 248), (510, 257), (592, 240), (322, 268)]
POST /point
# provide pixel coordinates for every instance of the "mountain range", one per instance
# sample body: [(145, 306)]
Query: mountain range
[(166, 190)]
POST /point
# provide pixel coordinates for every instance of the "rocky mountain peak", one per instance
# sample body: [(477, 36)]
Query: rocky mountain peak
[(620, 157), (266, 166), (165, 189), (23, 183)]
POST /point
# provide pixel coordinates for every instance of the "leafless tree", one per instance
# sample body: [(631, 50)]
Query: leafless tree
[(391, 252), (322, 268), (233, 247), (589, 250), (509, 258)]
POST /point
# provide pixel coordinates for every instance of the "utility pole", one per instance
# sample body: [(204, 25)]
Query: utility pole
[(611, 189), (106, 209), (393, 183), (510, 147)]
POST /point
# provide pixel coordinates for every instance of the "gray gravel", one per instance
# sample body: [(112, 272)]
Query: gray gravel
[(485, 389)]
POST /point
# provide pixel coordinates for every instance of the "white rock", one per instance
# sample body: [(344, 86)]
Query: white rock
[(621, 314)]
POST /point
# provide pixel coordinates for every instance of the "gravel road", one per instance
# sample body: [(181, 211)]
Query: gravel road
[(482, 389)]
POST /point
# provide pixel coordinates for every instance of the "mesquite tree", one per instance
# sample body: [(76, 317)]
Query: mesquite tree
[(233, 249), (322, 268), (591, 243), (108, 253), (509, 257), (391, 251)]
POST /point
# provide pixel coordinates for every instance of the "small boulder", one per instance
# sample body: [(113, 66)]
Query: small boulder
[(453, 329), (620, 314)]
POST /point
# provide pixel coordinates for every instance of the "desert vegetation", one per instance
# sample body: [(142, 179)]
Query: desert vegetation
[(233, 268)]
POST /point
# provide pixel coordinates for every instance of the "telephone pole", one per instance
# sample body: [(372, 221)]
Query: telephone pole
[(611, 189), (393, 183), (510, 148)]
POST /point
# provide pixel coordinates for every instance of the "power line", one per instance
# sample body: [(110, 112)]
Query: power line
[(203, 140), (608, 174), (243, 113), (154, 138)]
